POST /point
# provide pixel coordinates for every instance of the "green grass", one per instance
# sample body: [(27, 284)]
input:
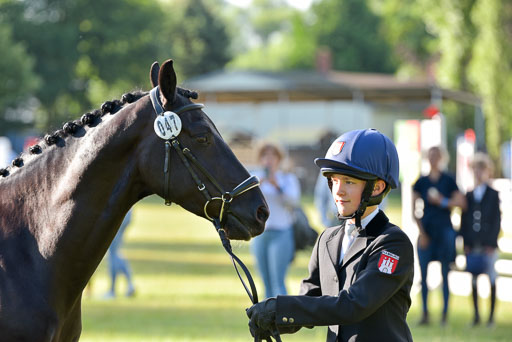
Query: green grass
[(187, 289)]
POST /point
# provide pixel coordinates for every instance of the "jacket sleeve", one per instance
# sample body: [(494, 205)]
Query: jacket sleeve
[(310, 286), (368, 293), (496, 222), (465, 221)]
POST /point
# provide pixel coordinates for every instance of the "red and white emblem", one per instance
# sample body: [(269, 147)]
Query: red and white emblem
[(388, 262), (336, 147)]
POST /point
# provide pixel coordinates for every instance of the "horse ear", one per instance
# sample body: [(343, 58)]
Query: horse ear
[(167, 82), (153, 74)]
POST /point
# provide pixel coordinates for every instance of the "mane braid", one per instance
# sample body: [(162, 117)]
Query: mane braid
[(89, 119), (188, 93)]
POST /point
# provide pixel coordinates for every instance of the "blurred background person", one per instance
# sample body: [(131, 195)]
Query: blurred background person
[(274, 249), (117, 264), (480, 227), (324, 203), (436, 241)]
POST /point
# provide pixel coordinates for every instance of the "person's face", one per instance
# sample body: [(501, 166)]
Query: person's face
[(434, 158), (270, 159), (481, 174), (346, 192)]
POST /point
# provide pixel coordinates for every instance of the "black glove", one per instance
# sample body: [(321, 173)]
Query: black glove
[(263, 317), (259, 333)]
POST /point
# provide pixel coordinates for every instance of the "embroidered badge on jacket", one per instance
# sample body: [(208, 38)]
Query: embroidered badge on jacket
[(388, 262)]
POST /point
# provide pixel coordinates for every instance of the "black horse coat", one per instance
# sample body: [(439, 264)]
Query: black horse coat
[(62, 203), (366, 297)]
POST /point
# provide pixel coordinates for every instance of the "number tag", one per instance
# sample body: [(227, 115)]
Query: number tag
[(168, 125)]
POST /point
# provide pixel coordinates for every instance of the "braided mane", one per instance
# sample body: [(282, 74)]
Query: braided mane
[(87, 119), (71, 127)]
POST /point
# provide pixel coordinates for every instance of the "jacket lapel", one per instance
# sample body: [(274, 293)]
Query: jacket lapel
[(334, 242), (485, 195), (358, 245), (373, 229)]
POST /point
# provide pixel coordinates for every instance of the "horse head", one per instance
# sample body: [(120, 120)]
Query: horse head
[(193, 166)]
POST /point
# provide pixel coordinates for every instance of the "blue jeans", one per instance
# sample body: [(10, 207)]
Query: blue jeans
[(442, 248), (117, 264), (274, 250)]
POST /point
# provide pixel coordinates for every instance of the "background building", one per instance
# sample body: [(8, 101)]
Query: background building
[(298, 108)]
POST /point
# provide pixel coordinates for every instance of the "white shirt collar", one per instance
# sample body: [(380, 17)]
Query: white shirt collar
[(479, 191), (349, 238), (367, 219)]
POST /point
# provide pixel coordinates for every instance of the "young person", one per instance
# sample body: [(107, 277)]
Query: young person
[(361, 272), (436, 240), (480, 227)]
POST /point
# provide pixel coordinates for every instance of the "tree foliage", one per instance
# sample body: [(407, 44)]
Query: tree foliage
[(87, 51), (467, 46), (71, 55), (490, 69), (352, 32), (414, 47), (268, 42), (347, 28), (451, 23), (475, 55), (18, 79), (199, 37)]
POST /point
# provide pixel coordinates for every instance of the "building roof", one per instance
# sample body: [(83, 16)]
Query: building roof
[(255, 86), (254, 81)]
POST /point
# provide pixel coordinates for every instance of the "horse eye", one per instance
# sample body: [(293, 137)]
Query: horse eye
[(203, 139)]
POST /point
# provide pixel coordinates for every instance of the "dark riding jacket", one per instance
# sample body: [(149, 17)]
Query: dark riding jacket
[(366, 297), (481, 221)]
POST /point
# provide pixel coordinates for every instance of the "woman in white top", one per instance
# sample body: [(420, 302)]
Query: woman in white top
[(274, 249)]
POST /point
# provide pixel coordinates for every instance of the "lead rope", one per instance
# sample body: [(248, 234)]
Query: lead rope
[(186, 155), (253, 293), (167, 172)]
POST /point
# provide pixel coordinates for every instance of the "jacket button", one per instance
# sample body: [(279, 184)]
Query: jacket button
[(291, 320), (285, 320)]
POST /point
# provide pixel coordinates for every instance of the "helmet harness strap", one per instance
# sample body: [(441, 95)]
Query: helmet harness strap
[(367, 155), (365, 200)]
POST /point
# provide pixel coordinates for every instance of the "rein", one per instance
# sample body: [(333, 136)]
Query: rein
[(170, 135)]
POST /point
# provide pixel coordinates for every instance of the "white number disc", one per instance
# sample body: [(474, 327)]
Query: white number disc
[(168, 125)]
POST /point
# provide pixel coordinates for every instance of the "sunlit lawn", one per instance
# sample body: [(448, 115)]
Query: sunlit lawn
[(187, 289)]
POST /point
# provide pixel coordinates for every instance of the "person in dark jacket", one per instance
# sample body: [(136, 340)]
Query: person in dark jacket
[(439, 194), (360, 272), (480, 227)]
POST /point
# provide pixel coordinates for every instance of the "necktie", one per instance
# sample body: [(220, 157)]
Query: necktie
[(350, 229), (348, 238)]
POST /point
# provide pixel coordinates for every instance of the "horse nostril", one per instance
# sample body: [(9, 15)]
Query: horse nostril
[(262, 213)]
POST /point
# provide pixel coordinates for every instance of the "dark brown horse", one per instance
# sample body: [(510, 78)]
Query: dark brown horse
[(62, 203)]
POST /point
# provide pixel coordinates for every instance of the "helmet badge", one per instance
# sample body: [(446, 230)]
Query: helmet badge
[(336, 147)]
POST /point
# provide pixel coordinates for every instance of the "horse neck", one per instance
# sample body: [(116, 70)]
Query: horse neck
[(74, 211)]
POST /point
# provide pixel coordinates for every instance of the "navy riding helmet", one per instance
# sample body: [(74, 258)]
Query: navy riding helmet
[(364, 154)]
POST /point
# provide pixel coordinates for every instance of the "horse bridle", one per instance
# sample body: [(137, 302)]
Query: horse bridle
[(188, 159)]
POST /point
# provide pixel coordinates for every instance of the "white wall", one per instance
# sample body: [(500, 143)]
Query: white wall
[(290, 122)]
